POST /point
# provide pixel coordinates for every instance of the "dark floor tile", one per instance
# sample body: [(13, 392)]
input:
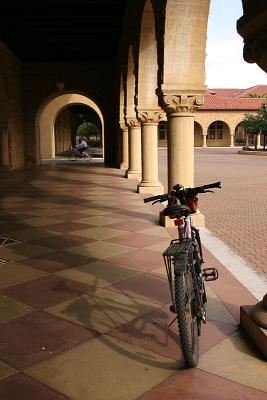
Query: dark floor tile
[(57, 261), (22, 387), (47, 291), (7, 227), (62, 241), (38, 336), (152, 332), (145, 286)]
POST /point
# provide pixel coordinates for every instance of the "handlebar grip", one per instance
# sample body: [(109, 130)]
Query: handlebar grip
[(148, 199), (213, 185)]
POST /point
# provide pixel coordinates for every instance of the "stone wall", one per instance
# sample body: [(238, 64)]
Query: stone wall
[(11, 119)]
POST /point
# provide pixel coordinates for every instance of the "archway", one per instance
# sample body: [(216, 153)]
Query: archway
[(198, 135), (47, 116), (218, 134)]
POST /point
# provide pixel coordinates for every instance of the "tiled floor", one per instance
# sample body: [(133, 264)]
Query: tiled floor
[(84, 302)]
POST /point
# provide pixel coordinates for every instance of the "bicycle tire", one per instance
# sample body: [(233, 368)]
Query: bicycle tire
[(187, 321)]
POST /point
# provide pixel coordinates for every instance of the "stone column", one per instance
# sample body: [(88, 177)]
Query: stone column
[(125, 147), (204, 140), (180, 110), (149, 139), (180, 114), (258, 140), (232, 135), (134, 170)]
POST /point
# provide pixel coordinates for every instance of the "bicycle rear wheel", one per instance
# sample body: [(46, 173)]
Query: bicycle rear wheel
[(187, 319)]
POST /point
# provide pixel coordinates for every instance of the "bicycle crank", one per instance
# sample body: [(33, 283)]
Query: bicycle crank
[(210, 274)]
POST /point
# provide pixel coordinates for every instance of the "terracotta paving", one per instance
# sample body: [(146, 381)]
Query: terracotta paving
[(84, 302)]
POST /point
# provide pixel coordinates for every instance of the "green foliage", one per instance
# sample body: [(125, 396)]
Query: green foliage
[(87, 129), (257, 95), (256, 123)]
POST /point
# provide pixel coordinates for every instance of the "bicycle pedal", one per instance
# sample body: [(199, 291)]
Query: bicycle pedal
[(210, 274), (172, 308)]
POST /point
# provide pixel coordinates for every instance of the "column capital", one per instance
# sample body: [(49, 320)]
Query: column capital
[(180, 102), (150, 116), (122, 125), (132, 122)]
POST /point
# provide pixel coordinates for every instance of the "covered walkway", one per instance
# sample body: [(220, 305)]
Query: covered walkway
[(84, 299)]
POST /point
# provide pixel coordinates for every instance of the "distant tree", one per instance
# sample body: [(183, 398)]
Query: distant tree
[(256, 123), (257, 95)]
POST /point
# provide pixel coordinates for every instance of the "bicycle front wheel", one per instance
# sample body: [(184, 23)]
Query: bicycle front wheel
[(187, 320)]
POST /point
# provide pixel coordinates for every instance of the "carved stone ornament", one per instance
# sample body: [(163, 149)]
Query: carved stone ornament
[(181, 103), (152, 117), (131, 122)]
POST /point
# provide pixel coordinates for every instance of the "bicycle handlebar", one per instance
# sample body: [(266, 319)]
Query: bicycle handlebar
[(179, 191)]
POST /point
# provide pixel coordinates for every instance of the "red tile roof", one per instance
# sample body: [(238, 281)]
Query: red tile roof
[(234, 99)]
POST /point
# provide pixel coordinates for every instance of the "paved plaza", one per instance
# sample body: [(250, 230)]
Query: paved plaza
[(84, 302), (236, 214)]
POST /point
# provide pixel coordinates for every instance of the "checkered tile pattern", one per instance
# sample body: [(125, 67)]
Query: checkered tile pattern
[(84, 301)]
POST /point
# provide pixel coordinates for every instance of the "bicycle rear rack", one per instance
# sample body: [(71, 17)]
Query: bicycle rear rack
[(177, 249)]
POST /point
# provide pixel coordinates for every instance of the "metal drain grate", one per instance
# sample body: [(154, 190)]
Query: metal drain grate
[(5, 241), (3, 261)]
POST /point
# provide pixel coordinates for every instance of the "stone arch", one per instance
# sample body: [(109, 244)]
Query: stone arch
[(218, 134), (198, 134), (147, 70), (46, 117), (185, 44), (130, 87)]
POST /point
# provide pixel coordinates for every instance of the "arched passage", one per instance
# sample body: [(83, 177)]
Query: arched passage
[(218, 134), (198, 134), (46, 118)]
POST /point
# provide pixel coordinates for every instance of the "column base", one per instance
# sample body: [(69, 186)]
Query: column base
[(198, 220), (133, 175), (150, 187), (257, 334), (124, 166)]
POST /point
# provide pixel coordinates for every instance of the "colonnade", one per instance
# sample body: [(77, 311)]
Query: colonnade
[(140, 144)]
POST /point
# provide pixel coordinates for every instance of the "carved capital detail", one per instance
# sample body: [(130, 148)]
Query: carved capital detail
[(181, 103), (132, 122), (152, 117)]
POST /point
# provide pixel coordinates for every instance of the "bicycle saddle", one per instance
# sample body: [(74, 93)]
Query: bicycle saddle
[(178, 209)]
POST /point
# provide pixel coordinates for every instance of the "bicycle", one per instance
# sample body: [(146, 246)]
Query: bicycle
[(183, 261), (74, 154)]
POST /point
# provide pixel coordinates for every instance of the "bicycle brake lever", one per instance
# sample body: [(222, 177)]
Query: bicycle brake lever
[(211, 191), (156, 201)]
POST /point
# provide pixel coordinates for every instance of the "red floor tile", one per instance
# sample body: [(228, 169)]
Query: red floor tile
[(145, 286), (135, 239), (130, 225), (47, 291), (22, 387), (147, 260), (37, 337), (196, 384), (68, 227)]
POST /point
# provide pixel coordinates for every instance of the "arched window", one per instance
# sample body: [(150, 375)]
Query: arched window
[(215, 130)]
